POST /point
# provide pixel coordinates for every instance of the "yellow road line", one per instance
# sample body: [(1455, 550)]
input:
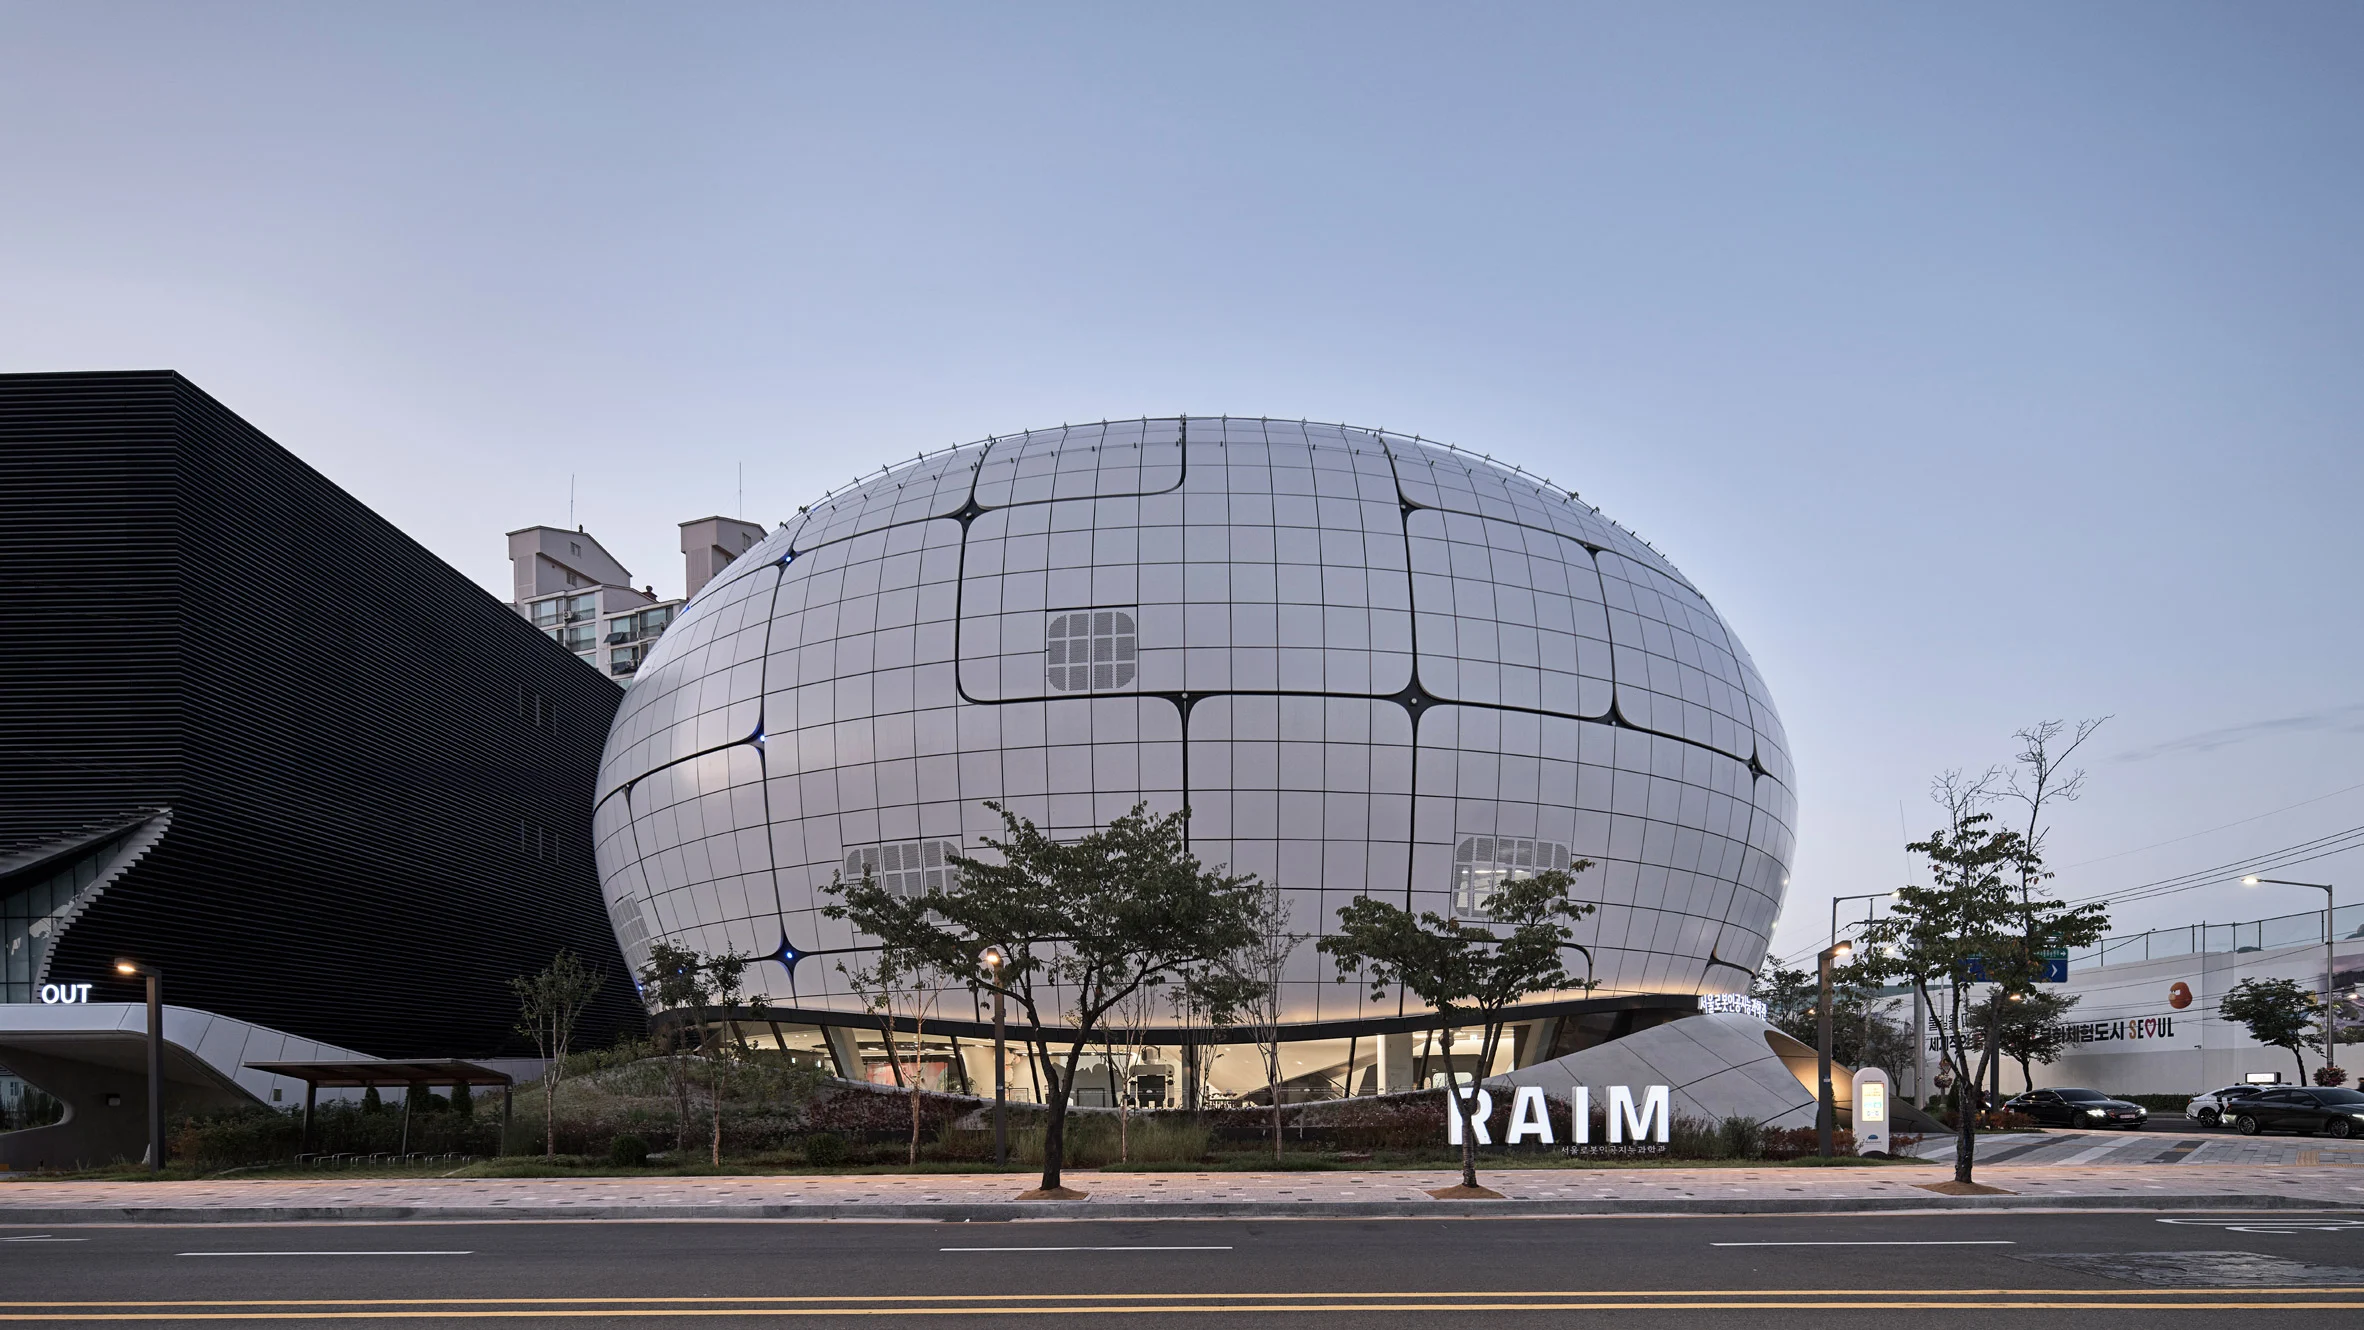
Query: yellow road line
[(970, 1298), (1138, 1309)]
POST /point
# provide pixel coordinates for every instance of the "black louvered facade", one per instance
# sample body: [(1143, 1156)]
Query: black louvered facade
[(374, 779)]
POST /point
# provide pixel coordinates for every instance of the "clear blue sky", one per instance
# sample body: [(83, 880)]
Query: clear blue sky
[(1982, 365)]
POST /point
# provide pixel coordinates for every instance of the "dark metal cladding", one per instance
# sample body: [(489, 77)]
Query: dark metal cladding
[(377, 777)]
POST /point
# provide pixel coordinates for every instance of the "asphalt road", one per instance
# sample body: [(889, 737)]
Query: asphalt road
[(2003, 1269)]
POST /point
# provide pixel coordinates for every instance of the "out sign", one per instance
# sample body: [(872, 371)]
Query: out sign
[(55, 994)]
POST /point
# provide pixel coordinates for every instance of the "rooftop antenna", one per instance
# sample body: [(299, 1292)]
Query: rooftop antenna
[(741, 510), (570, 499)]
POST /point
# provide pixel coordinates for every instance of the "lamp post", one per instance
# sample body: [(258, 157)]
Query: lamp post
[(2330, 1011), (1826, 1107), (993, 959), (1867, 896), (155, 978)]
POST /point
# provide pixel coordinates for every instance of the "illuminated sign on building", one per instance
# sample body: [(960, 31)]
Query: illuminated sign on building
[(55, 994), (1733, 1004)]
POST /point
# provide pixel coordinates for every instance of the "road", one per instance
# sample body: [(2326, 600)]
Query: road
[(2004, 1269)]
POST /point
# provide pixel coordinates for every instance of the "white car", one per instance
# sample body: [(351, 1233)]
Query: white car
[(2209, 1107)]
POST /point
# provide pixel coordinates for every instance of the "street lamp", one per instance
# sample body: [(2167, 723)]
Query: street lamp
[(1826, 1108), (2330, 1009), (993, 959), (155, 978), (1867, 896)]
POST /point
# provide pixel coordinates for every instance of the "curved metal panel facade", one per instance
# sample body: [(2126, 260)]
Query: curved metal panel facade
[(1368, 665)]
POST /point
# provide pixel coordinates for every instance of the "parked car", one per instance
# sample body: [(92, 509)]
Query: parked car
[(2210, 1107), (2305, 1110), (2079, 1108)]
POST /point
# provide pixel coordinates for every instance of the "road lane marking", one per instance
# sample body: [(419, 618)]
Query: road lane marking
[(1012, 1249), (324, 1253), (2268, 1224), (2251, 1302), (41, 1237), (730, 1302), (1949, 1242)]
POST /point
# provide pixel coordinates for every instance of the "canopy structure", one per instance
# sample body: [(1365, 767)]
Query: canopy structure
[(362, 1073), (354, 1075)]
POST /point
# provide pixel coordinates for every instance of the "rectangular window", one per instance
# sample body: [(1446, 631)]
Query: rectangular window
[(906, 868), (1090, 651), (547, 612), (1481, 864)]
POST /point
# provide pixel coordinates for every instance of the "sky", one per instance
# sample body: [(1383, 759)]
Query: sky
[(1982, 364)]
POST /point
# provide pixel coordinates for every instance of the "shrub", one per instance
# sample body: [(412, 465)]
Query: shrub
[(627, 1151), (1741, 1138), (2331, 1076), (825, 1150)]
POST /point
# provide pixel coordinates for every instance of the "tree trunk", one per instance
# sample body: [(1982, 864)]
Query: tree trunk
[(1468, 1110), (918, 1034), (1272, 1089), (716, 1085), (2302, 1064), (1965, 1118), (1054, 1132), (550, 1112)]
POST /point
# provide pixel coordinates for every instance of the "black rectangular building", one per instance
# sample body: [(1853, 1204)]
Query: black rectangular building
[(255, 735)]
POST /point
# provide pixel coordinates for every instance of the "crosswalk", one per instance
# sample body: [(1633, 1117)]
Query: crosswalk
[(2084, 1147)]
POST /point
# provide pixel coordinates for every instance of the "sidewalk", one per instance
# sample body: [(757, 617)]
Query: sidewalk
[(973, 1197)]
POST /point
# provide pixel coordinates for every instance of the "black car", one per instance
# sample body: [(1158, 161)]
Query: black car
[(2303, 1109), (2079, 1108)]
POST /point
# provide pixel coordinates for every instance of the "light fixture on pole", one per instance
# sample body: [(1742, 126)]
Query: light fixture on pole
[(1826, 1109), (2330, 999), (155, 978), (994, 959), (1867, 896)]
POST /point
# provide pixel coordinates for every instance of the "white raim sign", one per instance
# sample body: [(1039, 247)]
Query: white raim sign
[(53, 994), (1530, 1117)]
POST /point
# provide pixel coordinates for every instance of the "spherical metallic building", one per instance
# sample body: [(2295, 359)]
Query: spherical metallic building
[(1366, 663)]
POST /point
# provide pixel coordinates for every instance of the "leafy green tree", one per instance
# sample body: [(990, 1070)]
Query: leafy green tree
[(1466, 972), (1083, 924), (2279, 1013), (2030, 1026), (550, 1004), (1790, 996), (1983, 915)]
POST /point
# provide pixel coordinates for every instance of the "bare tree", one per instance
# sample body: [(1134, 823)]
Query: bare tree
[(2042, 779), (1128, 1025), (1251, 980), (899, 984), (549, 1007)]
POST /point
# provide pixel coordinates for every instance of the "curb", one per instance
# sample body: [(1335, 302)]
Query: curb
[(979, 1212)]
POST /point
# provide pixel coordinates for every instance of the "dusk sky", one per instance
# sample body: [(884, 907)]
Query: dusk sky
[(1981, 367)]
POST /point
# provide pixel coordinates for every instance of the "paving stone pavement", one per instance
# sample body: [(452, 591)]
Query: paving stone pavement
[(1572, 1191)]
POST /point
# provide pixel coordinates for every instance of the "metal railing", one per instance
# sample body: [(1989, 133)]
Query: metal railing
[(2284, 930)]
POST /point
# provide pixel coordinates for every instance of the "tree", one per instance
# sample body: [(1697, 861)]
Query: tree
[(2279, 1013), (1084, 924), (1249, 994), (2029, 1026), (1983, 919), (678, 979), (1466, 972), (1128, 1024), (1790, 996), (898, 983), (550, 1005)]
